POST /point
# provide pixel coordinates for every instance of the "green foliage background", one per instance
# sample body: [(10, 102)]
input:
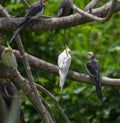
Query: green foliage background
[(78, 100)]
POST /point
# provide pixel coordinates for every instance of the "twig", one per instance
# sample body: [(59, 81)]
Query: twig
[(91, 5), (4, 12), (93, 17), (54, 101), (26, 3)]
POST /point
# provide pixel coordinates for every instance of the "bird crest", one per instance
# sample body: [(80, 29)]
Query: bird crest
[(9, 48), (68, 51), (44, 2)]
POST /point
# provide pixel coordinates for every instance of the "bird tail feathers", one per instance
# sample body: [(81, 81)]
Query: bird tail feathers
[(20, 27), (99, 92), (62, 79)]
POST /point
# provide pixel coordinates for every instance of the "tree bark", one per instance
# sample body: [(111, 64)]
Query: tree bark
[(10, 24)]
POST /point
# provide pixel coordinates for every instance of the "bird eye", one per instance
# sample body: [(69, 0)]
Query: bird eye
[(44, 1)]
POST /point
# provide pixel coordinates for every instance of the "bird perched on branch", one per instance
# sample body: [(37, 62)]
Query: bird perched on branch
[(64, 61), (8, 58), (93, 69), (65, 9), (34, 12)]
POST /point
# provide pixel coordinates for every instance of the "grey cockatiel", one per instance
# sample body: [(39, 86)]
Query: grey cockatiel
[(65, 9), (34, 12), (93, 69)]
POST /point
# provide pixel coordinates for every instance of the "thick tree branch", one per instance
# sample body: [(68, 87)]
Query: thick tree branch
[(56, 23), (73, 75), (51, 68)]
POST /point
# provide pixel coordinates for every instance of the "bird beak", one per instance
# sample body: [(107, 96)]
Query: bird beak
[(88, 55)]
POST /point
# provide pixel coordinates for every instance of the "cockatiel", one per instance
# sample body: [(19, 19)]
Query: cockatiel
[(93, 69), (65, 9), (34, 12), (8, 58), (64, 61)]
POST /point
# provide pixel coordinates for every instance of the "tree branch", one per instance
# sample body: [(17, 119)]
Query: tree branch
[(73, 75), (56, 23), (54, 101), (91, 5), (51, 68), (26, 3), (93, 17)]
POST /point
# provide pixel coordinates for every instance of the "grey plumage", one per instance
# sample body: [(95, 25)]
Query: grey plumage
[(64, 10), (93, 69)]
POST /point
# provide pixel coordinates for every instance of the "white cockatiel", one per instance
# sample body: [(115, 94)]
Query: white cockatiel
[(64, 61), (8, 58)]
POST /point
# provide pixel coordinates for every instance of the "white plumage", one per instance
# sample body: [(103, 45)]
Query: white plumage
[(64, 61), (8, 58)]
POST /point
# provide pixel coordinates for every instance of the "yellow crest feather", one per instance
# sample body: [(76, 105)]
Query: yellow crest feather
[(9, 47)]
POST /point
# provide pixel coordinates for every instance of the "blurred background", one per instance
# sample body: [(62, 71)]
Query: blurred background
[(78, 100)]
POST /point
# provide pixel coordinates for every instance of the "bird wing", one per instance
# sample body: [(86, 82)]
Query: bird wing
[(65, 9), (34, 9), (64, 60), (60, 10), (60, 60), (13, 62), (63, 6), (93, 69)]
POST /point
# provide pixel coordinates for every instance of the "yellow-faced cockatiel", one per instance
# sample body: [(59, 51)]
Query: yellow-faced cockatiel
[(8, 58)]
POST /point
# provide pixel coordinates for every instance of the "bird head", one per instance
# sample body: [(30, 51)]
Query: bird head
[(68, 51), (8, 50), (90, 55), (44, 2)]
